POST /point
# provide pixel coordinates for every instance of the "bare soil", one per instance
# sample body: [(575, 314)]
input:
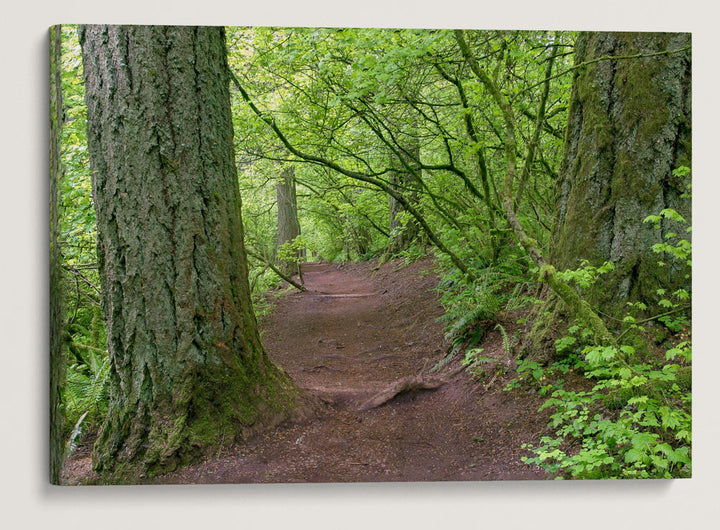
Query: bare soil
[(358, 331)]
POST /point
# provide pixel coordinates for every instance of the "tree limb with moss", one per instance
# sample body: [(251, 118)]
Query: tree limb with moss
[(547, 272)]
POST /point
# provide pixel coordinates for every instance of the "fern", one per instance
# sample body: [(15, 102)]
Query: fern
[(473, 361), (473, 358), (506, 342), (86, 389), (444, 361), (76, 432)]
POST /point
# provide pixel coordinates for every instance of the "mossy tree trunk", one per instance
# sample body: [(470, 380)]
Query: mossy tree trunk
[(617, 122), (288, 225), (57, 361), (188, 371), (628, 129)]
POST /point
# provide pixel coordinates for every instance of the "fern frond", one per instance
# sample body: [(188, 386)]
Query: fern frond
[(506, 342), (76, 432), (442, 362)]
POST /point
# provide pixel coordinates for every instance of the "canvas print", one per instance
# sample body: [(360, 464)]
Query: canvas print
[(368, 255)]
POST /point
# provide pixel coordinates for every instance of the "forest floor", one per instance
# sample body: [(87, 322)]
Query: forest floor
[(357, 336)]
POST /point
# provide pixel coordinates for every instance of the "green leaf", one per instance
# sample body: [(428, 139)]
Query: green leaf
[(624, 373), (634, 455), (627, 349), (669, 213), (638, 400), (643, 440), (681, 171)]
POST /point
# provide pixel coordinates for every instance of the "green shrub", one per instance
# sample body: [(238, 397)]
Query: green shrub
[(636, 420)]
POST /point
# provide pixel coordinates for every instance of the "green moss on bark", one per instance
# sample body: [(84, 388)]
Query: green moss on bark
[(628, 128), (189, 374)]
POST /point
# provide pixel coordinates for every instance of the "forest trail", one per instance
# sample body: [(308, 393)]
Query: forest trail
[(356, 330), (352, 334)]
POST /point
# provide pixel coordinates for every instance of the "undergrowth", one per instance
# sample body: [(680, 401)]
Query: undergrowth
[(635, 421), (634, 418), (85, 395), (472, 309)]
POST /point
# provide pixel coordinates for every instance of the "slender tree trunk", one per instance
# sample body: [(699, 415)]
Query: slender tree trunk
[(188, 371), (57, 360), (288, 225), (404, 231), (629, 128)]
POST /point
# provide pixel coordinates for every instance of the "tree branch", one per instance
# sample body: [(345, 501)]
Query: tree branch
[(276, 270), (547, 272), (603, 58), (354, 174), (529, 159)]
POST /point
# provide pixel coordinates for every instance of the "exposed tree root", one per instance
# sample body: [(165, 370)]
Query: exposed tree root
[(411, 383)]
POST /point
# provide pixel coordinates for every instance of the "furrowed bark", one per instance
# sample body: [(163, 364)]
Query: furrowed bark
[(188, 372), (288, 226), (629, 127), (57, 358)]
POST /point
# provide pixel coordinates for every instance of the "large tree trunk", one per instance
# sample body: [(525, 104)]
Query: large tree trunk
[(188, 371), (57, 361), (628, 129), (288, 225)]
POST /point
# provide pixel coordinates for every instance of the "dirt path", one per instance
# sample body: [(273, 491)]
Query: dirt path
[(354, 332)]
